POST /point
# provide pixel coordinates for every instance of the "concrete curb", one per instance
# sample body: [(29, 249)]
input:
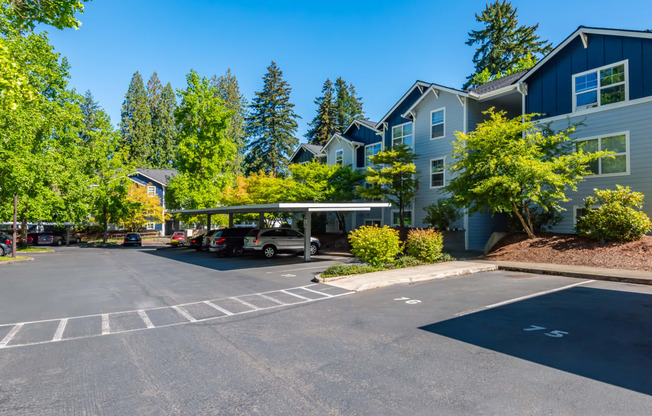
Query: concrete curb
[(409, 275), (16, 261), (578, 274), (36, 252)]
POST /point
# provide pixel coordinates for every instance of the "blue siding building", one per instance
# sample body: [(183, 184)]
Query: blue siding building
[(156, 181)]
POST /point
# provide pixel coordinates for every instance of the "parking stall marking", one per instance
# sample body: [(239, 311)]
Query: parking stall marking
[(11, 340)]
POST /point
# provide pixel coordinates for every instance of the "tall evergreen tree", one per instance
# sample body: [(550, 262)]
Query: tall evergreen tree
[(271, 125), (323, 126), (89, 109), (348, 106), (136, 122), (502, 42), (229, 91), (161, 105)]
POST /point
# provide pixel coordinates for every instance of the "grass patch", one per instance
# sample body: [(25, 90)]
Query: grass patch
[(400, 263), (32, 249), (9, 258)]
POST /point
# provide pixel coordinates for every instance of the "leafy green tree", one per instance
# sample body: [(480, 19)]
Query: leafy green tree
[(502, 43), (136, 124), (511, 166), (25, 14), (142, 208), (205, 154), (348, 106), (229, 91), (393, 176), (271, 125), (162, 104), (322, 126)]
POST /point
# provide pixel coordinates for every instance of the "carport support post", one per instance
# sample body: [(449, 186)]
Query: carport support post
[(307, 232), (261, 220), (231, 220), (67, 235), (208, 222)]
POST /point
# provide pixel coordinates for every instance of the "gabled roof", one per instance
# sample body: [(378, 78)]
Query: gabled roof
[(497, 84), (161, 176), (416, 85), (361, 122), (312, 148), (585, 31), (341, 137)]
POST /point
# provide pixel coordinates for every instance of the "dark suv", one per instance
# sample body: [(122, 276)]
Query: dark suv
[(229, 241), (5, 245)]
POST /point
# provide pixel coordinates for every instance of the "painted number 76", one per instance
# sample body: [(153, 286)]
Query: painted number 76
[(554, 334)]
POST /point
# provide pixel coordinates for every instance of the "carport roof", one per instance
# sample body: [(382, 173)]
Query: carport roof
[(286, 207)]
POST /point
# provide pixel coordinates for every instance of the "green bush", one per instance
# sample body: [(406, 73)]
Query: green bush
[(425, 245), (375, 246), (441, 214), (616, 218), (406, 261), (348, 269)]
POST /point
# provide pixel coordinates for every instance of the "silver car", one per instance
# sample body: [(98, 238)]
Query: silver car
[(269, 241)]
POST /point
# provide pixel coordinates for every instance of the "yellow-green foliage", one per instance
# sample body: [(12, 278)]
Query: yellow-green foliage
[(425, 245), (375, 246)]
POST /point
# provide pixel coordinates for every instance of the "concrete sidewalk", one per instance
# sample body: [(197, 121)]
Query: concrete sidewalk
[(409, 275), (584, 272)]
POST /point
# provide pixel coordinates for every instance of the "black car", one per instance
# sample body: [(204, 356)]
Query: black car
[(5, 245), (206, 240), (229, 241), (196, 241), (133, 239)]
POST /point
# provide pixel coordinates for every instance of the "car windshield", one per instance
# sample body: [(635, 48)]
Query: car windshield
[(253, 232)]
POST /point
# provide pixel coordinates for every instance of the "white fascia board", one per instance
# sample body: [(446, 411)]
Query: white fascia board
[(151, 179), (434, 88), (416, 84), (495, 93)]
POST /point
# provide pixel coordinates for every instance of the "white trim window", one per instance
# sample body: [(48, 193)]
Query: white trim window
[(615, 165), (402, 134), (601, 86), (579, 212), (437, 173), (438, 123), (407, 218), (372, 222), (151, 190), (339, 157), (150, 226), (371, 150)]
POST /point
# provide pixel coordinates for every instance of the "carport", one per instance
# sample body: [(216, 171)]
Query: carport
[(306, 208)]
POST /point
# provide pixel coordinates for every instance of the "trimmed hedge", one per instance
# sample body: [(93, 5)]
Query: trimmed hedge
[(375, 245), (425, 245)]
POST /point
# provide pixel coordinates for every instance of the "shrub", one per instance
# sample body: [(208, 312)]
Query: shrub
[(375, 246), (426, 245), (441, 214), (347, 269), (617, 218), (406, 261)]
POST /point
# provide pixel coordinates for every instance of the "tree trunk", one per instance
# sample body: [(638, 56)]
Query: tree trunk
[(341, 220), (14, 243), (106, 229), (23, 232), (527, 228)]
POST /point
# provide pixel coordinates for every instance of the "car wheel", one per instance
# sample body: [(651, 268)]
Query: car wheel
[(269, 252), (313, 249), (78, 240), (59, 242), (2, 251)]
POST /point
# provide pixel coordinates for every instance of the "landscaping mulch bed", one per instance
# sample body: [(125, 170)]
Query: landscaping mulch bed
[(570, 249)]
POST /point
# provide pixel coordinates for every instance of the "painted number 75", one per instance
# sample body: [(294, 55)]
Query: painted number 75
[(554, 334)]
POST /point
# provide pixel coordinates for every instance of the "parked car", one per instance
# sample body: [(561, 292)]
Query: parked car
[(229, 241), (44, 239), (206, 240), (270, 241), (60, 238), (6, 247), (178, 238), (196, 241), (133, 239)]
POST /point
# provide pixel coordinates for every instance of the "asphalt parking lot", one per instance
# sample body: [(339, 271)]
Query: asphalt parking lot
[(494, 343)]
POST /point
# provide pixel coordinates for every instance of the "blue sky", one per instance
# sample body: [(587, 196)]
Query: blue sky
[(381, 47)]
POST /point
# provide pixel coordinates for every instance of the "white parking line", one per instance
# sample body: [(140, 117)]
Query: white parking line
[(7, 339), (319, 293), (60, 329), (184, 313), (297, 270), (247, 304), (145, 318), (295, 295), (219, 308), (106, 328), (272, 299)]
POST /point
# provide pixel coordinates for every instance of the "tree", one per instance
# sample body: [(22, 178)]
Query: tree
[(348, 107), (229, 91), (162, 104), (204, 152), (322, 126), (136, 124), (141, 208), (25, 14), (271, 125), (502, 43), (393, 177), (511, 166)]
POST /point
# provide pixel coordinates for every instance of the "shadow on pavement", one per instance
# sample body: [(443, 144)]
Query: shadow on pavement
[(605, 335)]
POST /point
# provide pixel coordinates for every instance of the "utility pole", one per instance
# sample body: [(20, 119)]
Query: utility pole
[(14, 245)]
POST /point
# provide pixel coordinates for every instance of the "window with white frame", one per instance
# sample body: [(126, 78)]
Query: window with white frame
[(618, 163), (600, 86), (438, 123), (151, 190), (579, 212), (437, 173), (407, 218), (372, 223), (339, 157), (402, 134), (150, 226), (370, 150)]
